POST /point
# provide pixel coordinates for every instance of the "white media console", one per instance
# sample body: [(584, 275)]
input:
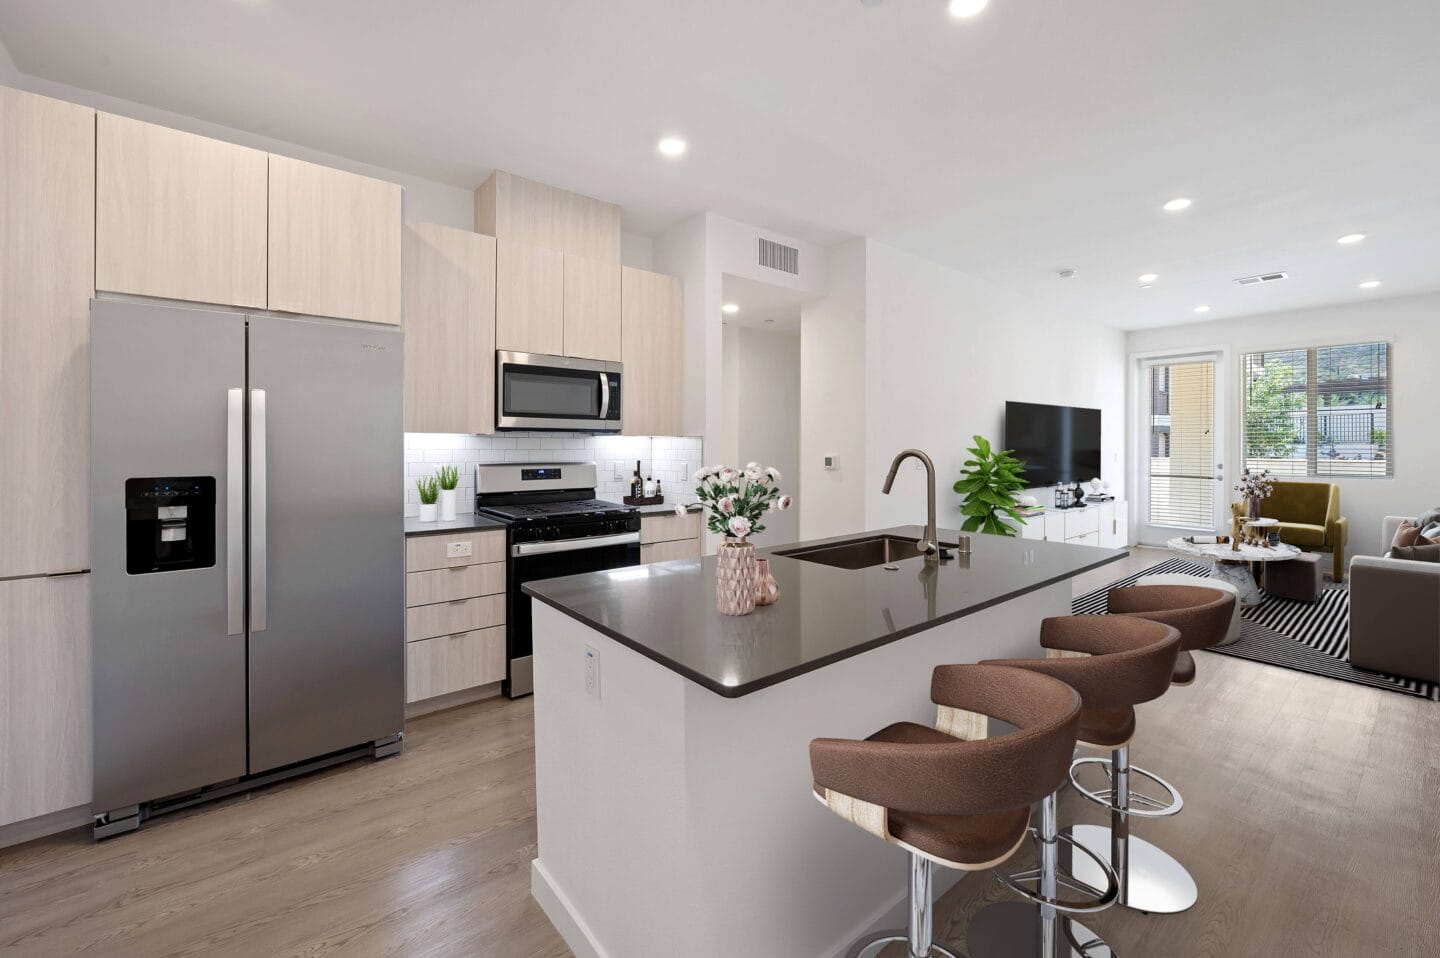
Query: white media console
[(1105, 524)]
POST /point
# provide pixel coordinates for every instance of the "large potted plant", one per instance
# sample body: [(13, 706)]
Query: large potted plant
[(736, 501), (989, 482)]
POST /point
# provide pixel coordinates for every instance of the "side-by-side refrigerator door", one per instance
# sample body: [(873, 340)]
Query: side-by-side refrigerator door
[(167, 561), (327, 574)]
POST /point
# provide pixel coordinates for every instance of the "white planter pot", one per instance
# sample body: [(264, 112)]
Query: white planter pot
[(429, 513), (447, 505)]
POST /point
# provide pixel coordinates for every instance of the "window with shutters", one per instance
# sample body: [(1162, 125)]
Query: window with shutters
[(1323, 411)]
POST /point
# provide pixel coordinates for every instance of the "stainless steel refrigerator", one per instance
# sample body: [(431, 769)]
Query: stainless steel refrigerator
[(247, 551)]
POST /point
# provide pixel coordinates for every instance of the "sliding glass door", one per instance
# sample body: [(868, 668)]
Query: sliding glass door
[(1182, 482)]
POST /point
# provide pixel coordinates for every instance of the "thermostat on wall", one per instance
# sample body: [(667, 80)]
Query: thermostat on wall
[(832, 461)]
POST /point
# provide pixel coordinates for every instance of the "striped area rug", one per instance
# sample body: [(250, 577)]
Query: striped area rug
[(1293, 635)]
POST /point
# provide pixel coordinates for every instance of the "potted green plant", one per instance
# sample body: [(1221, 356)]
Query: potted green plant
[(449, 478), (989, 483), (429, 489)]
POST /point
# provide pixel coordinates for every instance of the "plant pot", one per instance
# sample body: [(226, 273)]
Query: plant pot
[(447, 505), (429, 512), (735, 577), (767, 590)]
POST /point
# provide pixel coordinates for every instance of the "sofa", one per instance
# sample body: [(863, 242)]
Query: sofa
[(1395, 613), (1309, 515)]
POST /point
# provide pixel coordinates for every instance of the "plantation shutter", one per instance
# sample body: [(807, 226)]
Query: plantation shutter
[(1181, 424), (1318, 412)]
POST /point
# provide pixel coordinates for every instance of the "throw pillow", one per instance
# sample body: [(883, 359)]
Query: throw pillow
[(1430, 553), (1429, 524), (1408, 535)]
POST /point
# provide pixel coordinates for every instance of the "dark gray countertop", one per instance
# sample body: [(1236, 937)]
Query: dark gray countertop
[(462, 522), (666, 611)]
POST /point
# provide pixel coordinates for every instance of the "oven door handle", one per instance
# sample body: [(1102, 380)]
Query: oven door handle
[(573, 545)]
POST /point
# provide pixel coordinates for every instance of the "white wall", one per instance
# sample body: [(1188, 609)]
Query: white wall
[(944, 351), (1412, 325), (760, 414), (832, 399)]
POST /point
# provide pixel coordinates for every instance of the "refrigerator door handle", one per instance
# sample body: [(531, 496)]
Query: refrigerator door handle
[(235, 512), (258, 511)]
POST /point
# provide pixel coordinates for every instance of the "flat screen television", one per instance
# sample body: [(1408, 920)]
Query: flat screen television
[(1057, 443)]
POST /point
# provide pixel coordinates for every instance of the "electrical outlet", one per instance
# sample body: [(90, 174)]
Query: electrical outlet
[(458, 550), (592, 671), (684, 472), (620, 474)]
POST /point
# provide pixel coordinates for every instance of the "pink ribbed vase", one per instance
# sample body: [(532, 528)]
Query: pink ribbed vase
[(735, 577)]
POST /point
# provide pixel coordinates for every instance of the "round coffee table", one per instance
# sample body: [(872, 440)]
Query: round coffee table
[(1233, 566)]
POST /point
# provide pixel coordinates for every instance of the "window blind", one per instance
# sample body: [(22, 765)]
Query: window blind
[(1181, 464), (1318, 412)]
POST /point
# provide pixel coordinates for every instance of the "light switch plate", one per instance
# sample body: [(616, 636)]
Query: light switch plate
[(592, 671), (458, 550)]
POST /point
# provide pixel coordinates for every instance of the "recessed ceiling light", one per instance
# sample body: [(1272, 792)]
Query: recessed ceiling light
[(1148, 277), (671, 146), (1177, 204), (1202, 308), (730, 309), (967, 8), (1370, 284), (1146, 286), (770, 322), (1350, 238)]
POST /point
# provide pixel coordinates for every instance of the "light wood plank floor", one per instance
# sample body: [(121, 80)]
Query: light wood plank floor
[(1312, 825)]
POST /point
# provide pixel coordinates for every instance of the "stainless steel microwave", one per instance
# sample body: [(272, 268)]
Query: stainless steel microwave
[(535, 391)]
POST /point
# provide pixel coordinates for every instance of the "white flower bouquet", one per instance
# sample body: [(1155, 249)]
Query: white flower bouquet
[(736, 500)]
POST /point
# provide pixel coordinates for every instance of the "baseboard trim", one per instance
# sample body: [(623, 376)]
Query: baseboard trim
[(43, 826), (556, 906), (453, 700)]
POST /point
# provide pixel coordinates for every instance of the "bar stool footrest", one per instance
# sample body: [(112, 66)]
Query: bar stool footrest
[(872, 945), (1141, 805), (1096, 899)]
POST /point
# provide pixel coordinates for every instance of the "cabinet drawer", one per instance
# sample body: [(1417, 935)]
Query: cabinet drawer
[(665, 551), (458, 582), (1080, 522), (453, 663), (423, 553), (448, 618), (669, 528), (1086, 539)]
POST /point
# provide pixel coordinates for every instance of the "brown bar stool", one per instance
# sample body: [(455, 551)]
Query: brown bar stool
[(1151, 880), (951, 795), (1115, 663)]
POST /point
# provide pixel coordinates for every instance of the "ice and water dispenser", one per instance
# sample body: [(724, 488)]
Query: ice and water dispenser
[(169, 524)]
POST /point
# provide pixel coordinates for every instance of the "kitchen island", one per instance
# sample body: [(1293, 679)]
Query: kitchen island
[(673, 788)]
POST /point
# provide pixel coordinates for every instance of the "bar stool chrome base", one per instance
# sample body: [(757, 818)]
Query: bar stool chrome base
[(1152, 881), (870, 947), (1013, 929)]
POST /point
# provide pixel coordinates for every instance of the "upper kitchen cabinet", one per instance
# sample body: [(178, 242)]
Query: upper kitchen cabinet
[(449, 330), (592, 308), (178, 215), (335, 240), (510, 207), (47, 275), (529, 298), (653, 342)]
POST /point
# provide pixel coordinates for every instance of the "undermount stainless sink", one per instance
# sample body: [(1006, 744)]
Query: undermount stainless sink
[(858, 553)]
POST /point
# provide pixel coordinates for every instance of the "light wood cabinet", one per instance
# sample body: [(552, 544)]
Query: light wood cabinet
[(652, 341), (668, 551), (335, 240), (449, 330), (47, 275), (454, 663), (455, 612), (178, 215), (433, 551), (511, 207), (667, 537), (592, 309), (529, 298), (44, 695)]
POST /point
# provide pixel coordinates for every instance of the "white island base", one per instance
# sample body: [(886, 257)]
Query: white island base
[(676, 822)]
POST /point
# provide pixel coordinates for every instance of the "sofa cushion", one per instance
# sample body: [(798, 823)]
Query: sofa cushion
[(1408, 535), (1302, 534), (1430, 553)]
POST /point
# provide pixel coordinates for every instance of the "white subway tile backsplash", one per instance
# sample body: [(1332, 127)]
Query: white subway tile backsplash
[(669, 459)]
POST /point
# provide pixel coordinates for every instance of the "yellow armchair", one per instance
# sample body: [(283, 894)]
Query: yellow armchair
[(1309, 516)]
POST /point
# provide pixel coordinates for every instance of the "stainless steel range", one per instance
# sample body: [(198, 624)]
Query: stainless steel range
[(554, 527)]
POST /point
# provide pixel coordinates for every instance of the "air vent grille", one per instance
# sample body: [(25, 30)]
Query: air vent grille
[(1263, 278), (775, 255)]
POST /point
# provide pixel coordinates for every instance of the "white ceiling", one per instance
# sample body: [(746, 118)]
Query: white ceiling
[(1038, 135), (763, 306)]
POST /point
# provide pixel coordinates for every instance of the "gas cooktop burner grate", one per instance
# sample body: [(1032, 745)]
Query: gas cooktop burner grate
[(542, 510)]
